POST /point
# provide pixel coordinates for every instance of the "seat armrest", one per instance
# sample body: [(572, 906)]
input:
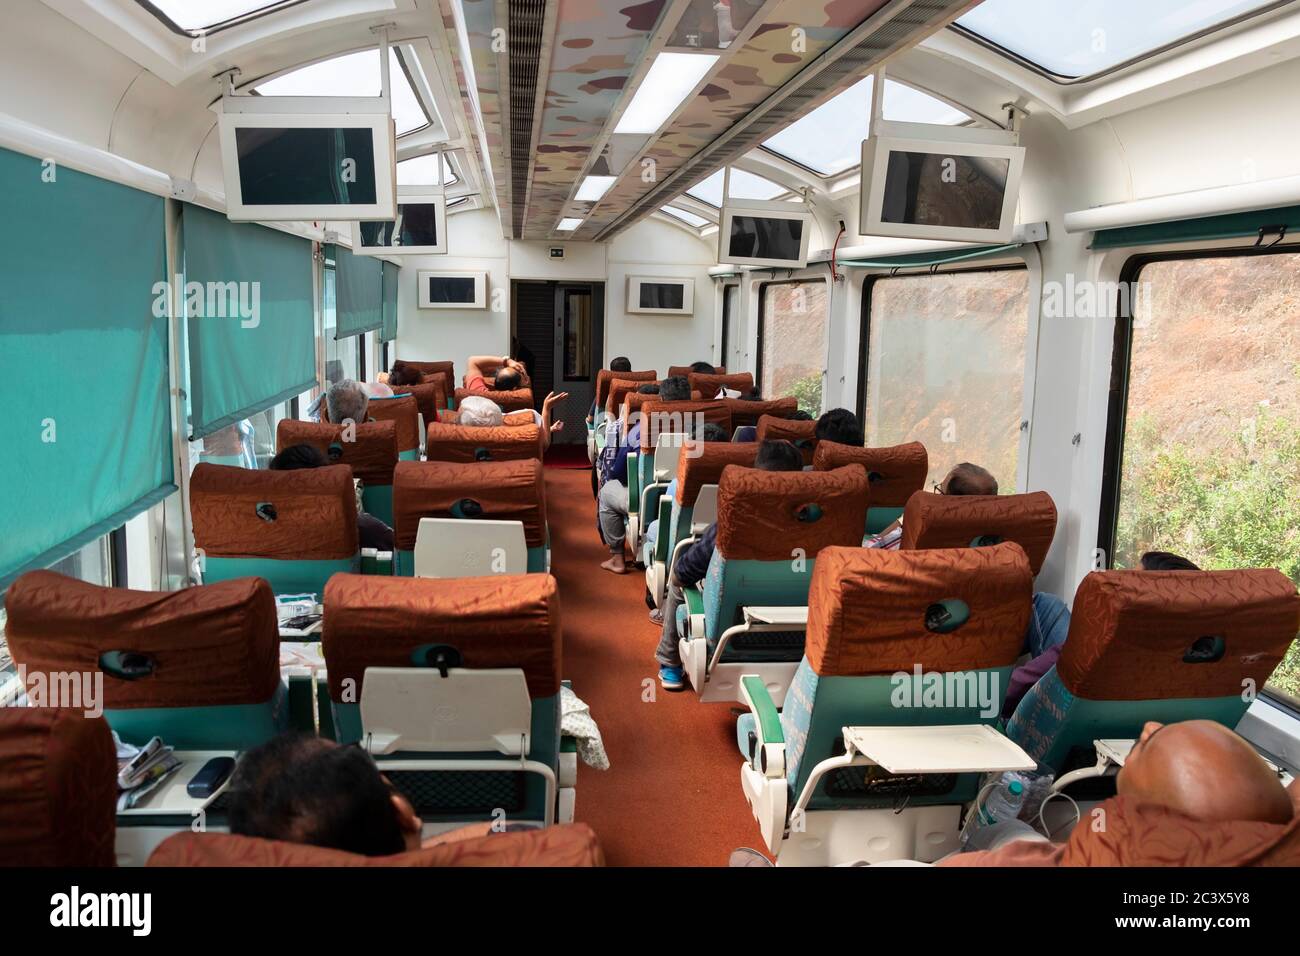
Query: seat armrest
[(633, 483), (767, 754), (665, 517), (376, 562), (694, 601)]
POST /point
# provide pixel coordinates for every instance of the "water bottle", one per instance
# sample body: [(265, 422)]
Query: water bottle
[(1004, 801)]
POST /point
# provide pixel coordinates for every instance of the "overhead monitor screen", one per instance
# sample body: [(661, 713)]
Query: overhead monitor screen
[(416, 225), (454, 289), (763, 237), (306, 166), (934, 189)]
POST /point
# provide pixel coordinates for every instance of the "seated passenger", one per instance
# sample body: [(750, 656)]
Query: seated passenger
[(964, 479), (620, 364), (302, 789), (703, 368), (509, 374), (1189, 794), (613, 501), (346, 400), (712, 432), (1050, 624), (479, 412), (840, 426), (693, 564), (402, 374), (372, 532)]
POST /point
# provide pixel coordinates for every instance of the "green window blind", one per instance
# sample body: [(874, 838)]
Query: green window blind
[(923, 259), (389, 332), (83, 356), (1236, 226), (359, 294), (251, 326)]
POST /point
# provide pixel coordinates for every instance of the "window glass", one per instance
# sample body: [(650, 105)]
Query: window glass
[(423, 171), (946, 367), (690, 218), (1211, 454), (198, 15), (829, 139), (743, 186), (732, 344), (354, 74), (1085, 37), (792, 351)]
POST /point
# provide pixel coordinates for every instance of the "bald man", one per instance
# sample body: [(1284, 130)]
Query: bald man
[(1189, 794)]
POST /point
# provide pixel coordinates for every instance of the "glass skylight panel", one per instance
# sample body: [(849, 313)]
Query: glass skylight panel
[(829, 139), (195, 15), (353, 74), (743, 186), (687, 217), (1081, 38), (423, 171)]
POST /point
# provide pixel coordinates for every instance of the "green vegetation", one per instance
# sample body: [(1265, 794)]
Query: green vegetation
[(808, 391), (1236, 505)]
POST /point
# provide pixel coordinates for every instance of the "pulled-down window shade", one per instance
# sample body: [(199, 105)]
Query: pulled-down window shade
[(389, 331), (359, 281), (83, 356), (1267, 225), (252, 337), (919, 260)]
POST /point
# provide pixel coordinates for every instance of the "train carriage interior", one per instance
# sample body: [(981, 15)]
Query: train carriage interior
[(681, 433)]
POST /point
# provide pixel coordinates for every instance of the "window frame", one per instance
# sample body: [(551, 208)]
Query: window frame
[(1063, 80), (1117, 402), (1029, 372), (824, 278)]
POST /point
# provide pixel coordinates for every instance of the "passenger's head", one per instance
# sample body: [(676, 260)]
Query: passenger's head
[(402, 374), (714, 432), (507, 380), (702, 368), (477, 411), (303, 789), (752, 395), (675, 389), (968, 479), (1166, 561), (1205, 771), (347, 401), (620, 364), (298, 456), (778, 455), (649, 388), (801, 416), (841, 426)]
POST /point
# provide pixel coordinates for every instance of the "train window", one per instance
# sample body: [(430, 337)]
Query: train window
[(195, 17), (342, 356), (690, 218), (355, 74), (1204, 444), (423, 171), (792, 336), (944, 365), (829, 139), (1075, 41), (733, 353), (743, 186)]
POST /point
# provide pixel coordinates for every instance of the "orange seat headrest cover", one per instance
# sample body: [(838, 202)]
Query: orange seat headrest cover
[(1130, 631), (867, 609), (619, 389), (513, 400), (503, 490), (748, 413), (684, 371), (958, 521), (769, 515), (305, 514), (566, 845), (430, 398), (472, 443), (58, 789), (664, 418), (372, 452), (211, 645), (606, 377), (711, 385), (705, 465), (404, 410), (803, 435), (494, 621), (896, 472)]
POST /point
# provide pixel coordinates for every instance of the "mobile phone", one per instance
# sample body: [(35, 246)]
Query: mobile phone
[(210, 777)]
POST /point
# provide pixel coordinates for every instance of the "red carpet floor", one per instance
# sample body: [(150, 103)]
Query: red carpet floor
[(672, 794), (567, 456)]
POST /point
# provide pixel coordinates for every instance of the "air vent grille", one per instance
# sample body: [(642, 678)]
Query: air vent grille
[(527, 23)]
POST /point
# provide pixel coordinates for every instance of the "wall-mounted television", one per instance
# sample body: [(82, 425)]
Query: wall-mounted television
[(307, 165), (753, 233), (452, 290), (419, 229), (653, 295), (939, 182)]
